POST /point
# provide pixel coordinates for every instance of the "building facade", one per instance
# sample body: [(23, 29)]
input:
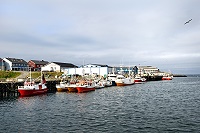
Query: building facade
[(2, 65), (90, 69), (147, 70), (36, 65), (57, 67), (14, 64)]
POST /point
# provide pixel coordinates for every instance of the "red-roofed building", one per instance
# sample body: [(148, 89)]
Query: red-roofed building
[(36, 65)]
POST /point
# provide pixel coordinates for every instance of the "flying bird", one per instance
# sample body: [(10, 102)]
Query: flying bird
[(188, 21)]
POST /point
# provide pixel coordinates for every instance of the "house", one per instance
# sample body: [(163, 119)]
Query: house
[(14, 64), (2, 64), (90, 69), (36, 65), (57, 66)]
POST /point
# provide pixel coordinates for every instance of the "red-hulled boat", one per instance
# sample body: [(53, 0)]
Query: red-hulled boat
[(167, 77), (139, 80), (85, 87), (30, 88)]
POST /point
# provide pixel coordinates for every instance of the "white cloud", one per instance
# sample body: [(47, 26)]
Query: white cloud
[(107, 32)]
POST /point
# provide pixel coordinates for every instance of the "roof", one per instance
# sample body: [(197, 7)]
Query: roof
[(97, 65), (15, 61), (100, 65), (40, 62), (147, 67), (65, 64), (1, 60)]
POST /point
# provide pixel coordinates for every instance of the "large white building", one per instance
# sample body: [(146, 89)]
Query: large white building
[(147, 70), (57, 67), (90, 69)]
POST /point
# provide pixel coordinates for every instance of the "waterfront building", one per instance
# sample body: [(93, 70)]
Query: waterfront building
[(147, 70), (14, 64), (124, 69), (36, 65), (57, 66), (2, 65), (89, 69)]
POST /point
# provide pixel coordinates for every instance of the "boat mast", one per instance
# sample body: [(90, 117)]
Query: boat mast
[(41, 76), (30, 75)]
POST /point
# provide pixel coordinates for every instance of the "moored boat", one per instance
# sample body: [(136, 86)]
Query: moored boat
[(87, 86), (62, 86), (72, 88), (139, 80), (99, 85), (112, 78), (108, 83), (167, 77), (122, 81), (30, 88)]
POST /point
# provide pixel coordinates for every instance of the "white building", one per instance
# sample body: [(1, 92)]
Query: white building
[(57, 67), (147, 69), (90, 69)]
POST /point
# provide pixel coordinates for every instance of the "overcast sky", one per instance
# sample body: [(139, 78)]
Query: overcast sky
[(112, 32)]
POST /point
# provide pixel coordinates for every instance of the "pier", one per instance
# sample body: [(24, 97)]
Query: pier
[(10, 89)]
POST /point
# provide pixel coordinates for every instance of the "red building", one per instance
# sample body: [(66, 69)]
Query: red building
[(36, 65)]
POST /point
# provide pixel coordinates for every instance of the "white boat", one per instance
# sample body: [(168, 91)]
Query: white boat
[(122, 81), (112, 78), (99, 84), (107, 83), (62, 86), (139, 80)]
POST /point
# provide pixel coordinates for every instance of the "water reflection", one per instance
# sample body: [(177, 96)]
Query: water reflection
[(169, 106)]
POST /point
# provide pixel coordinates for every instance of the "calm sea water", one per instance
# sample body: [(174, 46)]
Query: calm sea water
[(157, 106)]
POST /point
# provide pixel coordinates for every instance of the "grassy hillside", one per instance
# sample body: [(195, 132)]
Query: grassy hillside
[(46, 74), (34, 75), (9, 74)]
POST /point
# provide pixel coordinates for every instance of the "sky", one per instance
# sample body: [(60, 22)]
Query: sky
[(111, 32)]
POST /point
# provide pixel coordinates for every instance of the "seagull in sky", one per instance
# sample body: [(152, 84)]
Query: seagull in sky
[(188, 21)]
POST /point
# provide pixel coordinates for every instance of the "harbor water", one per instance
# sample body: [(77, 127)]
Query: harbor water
[(155, 106)]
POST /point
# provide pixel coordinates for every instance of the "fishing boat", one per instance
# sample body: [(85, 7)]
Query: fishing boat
[(108, 83), (167, 77), (99, 84), (30, 88), (62, 86), (85, 86), (72, 87), (112, 78), (122, 81), (139, 80)]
